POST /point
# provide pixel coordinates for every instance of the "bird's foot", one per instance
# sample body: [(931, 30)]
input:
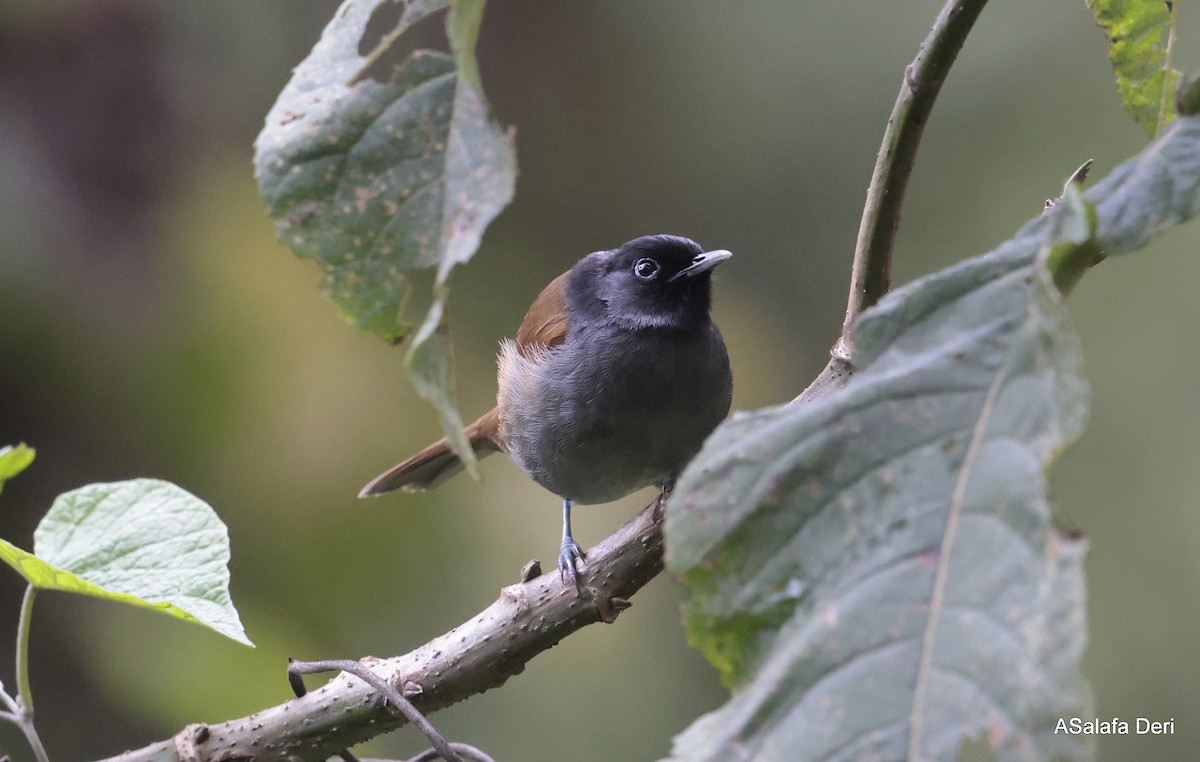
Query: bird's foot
[(566, 560)]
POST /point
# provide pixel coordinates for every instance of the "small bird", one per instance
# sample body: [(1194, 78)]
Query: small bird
[(616, 377)]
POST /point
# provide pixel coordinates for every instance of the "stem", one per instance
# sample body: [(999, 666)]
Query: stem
[(31, 737), (24, 714), (871, 273), (24, 695)]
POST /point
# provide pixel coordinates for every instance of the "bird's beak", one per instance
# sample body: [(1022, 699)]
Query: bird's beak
[(702, 263)]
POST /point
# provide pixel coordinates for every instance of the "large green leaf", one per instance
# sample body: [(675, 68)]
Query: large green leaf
[(876, 572), (144, 542), (1140, 57), (379, 180), (13, 460)]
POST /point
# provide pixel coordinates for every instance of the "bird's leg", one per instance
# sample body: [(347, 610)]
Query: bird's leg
[(570, 549)]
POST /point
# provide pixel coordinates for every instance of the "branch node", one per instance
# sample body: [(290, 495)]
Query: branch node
[(843, 350), (186, 741), (531, 570)]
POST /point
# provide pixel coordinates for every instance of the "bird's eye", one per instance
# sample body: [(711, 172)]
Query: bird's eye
[(646, 268)]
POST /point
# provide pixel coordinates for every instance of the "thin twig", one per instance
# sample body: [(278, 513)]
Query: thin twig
[(871, 272), (9, 702), (403, 705)]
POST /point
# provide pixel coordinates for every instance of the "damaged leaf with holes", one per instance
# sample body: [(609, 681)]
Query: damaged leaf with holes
[(381, 175), (877, 573)]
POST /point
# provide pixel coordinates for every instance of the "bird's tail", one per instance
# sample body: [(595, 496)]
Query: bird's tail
[(436, 463)]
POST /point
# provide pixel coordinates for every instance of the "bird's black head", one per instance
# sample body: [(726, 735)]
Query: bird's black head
[(656, 281)]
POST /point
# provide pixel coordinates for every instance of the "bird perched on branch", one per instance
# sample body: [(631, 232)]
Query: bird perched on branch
[(616, 376)]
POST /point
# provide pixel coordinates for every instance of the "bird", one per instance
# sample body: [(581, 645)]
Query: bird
[(616, 376)]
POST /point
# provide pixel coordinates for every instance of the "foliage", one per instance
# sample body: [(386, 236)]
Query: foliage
[(144, 542), (877, 572), (380, 180)]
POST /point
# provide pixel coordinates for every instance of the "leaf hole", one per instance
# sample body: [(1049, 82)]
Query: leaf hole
[(427, 33)]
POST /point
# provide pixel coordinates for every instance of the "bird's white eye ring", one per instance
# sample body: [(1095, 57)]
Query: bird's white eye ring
[(646, 268)]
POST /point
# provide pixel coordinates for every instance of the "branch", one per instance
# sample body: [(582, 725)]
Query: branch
[(479, 654), (871, 273)]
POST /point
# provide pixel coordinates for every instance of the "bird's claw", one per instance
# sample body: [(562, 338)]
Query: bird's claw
[(566, 561)]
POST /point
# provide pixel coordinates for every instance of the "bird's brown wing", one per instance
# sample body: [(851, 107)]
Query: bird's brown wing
[(546, 321)]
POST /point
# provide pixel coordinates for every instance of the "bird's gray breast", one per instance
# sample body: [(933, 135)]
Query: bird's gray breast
[(610, 412)]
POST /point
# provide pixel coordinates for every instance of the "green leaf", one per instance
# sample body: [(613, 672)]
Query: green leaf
[(380, 180), (887, 581), (13, 460), (1141, 59), (144, 542), (876, 572)]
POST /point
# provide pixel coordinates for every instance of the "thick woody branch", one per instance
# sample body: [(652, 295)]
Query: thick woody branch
[(527, 618), (871, 272)]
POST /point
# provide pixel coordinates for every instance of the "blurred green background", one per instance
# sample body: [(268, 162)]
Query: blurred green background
[(150, 326)]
